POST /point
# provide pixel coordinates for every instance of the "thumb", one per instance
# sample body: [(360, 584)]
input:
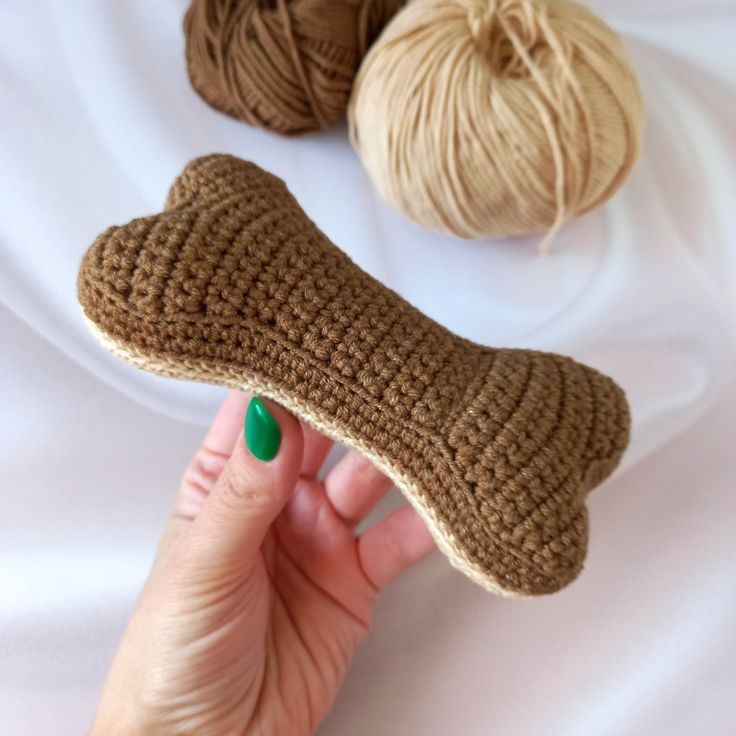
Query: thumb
[(254, 486)]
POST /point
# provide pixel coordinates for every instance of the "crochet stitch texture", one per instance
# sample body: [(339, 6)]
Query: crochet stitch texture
[(234, 285)]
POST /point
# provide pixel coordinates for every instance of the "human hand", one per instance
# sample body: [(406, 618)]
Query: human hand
[(261, 591)]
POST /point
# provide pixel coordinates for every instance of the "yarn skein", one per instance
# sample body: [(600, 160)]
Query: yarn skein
[(284, 65), (488, 118)]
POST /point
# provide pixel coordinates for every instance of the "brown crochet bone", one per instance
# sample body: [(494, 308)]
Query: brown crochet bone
[(233, 284)]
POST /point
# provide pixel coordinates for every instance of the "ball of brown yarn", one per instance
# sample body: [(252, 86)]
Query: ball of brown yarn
[(284, 65), (487, 118)]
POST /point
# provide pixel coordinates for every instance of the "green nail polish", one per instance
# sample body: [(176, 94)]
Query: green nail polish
[(262, 433)]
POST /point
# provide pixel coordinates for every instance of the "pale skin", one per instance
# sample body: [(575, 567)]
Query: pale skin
[(261, 590)]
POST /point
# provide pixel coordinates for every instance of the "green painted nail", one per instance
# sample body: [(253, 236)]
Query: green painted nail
[(262, 433)]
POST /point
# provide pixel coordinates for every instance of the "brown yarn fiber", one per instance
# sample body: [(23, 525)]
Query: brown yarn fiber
[(496, 448), (283, 65)]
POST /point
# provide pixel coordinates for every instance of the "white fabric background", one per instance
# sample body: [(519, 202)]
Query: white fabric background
[(97, 117)]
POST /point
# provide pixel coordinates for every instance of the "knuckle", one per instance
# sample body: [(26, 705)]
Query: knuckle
[(242, 489), (393, 548), (204, 469)]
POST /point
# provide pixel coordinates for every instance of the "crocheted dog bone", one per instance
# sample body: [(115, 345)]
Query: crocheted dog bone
[(233, 284)]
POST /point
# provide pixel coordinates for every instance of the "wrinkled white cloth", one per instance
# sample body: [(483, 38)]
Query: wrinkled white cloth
[(98, 118)]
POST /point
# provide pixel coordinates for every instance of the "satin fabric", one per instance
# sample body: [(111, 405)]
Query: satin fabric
[(98, 118)]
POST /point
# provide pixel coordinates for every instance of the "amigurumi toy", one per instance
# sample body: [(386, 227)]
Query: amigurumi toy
[(234, 285)]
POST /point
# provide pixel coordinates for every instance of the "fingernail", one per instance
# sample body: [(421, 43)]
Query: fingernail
[(262, 433)]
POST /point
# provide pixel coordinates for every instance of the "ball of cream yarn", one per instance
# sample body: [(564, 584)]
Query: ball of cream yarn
[(284, 65), (487, 118)]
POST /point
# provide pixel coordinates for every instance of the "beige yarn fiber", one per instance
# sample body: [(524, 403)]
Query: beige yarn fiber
[(488, 118)]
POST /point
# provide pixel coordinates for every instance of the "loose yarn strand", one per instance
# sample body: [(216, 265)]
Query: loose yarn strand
[(553, 134)]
